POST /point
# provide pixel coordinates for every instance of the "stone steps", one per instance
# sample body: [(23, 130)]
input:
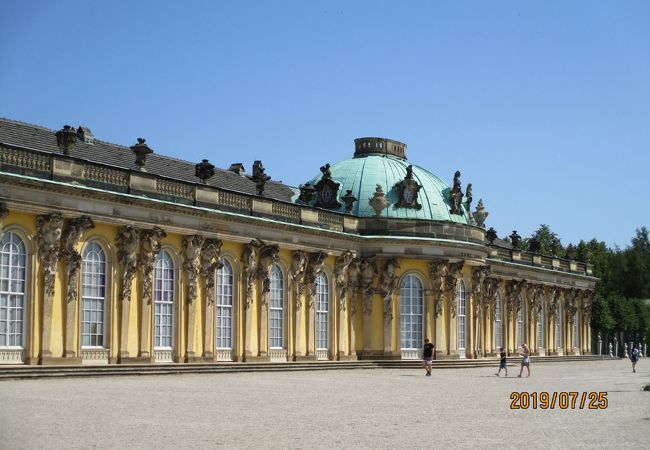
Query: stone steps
[(32, 372)]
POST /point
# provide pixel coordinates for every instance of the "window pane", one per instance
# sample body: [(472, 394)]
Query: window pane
[(163, 300), (411, 313)]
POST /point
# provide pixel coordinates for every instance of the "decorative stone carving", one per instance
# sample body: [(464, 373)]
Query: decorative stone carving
[(468, 196), (354, 282), (438, 270), (553, 302), (479, 275), (378, 202), (191, 263), (314, 268), (408, 190), (249, 259), (571, 252), (587, 303), (515, 239), (534, 291), (48, 235), (149, 250), (65, 138), (340, 269), (513, 296), (297, 273), (128, 239), (387, 287), (368, 270), (72, 233), (455, 274), (327, 190), (571, 304), (268, 257), (491, 234), (259, 177), (141, 151), (349, 200), (490, 293), (210, 263), (480, 214), (307, 193), (456, 196), (4, 212), (204, 171)]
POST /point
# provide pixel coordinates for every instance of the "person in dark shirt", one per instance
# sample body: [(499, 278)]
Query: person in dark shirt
[(502, 362), (428, 353)]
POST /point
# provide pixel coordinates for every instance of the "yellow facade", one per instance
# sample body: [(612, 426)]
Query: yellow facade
[(298, 282)]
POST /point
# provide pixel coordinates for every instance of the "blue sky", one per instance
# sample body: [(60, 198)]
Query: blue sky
[(543, 106)]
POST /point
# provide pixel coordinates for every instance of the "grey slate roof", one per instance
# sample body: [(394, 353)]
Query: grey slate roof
[(21, 134)]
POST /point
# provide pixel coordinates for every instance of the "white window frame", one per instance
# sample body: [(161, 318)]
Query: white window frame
[(411, 301), (323, 311), (540, 327), (558, 326), (277, 309), (164, 296), (223, 292), (576, 331), (462, 318), (16, 286), (88, 280), (498, 322), (521, 320)]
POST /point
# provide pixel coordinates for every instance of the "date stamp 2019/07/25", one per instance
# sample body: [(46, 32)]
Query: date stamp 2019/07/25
[(559, 400)]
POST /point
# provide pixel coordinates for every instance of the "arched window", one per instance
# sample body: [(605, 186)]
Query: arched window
[(558, 326), (276, 309), (164, 301), (540, 328), (13, 259), (462, 317), (498, 321), (224, 306), (93, 295), (411, 313), (520, 327), (576, 331), (322, 312)]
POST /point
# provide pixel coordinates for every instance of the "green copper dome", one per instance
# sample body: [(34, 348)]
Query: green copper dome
[(381, 166)]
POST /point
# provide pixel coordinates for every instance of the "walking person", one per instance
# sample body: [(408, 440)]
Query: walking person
[(428, 352), (525, 362), (634, 357), (502, 362)]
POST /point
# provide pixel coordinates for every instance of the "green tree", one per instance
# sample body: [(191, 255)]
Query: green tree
[(548, 241), (625, 314), (601, 315)]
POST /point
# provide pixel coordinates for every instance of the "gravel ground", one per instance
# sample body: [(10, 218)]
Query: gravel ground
[(324, 409)]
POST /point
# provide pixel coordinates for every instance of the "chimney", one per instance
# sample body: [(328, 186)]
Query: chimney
[(85, 135), (238, 168)]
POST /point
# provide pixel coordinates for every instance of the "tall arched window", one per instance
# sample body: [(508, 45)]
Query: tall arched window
[(164, 301), (576, 331), (540, 328), (462, 318), (93, 295), (411, 313), (276, 309), (520, 327), (558, 326), (498, 321), (322, 312), (224, 306), (13, 259)]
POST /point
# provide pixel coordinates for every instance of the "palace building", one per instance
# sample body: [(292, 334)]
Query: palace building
[(113, 254)]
